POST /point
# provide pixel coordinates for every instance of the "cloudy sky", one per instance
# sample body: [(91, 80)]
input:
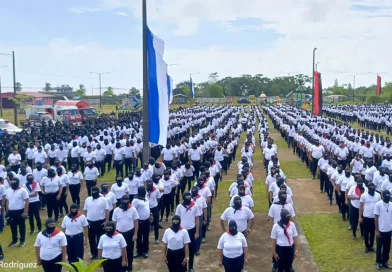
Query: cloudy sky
[(61, 43)]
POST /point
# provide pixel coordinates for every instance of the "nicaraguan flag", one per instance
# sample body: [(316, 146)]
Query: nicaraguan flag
[(158, 94), (191, 88), (170, 88)]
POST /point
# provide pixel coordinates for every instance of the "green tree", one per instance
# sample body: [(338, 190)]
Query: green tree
[(20, 100), (48, 87), (214, 90), (213, 78), (336, 83), (135, 92), (81, 92), (18, 86), (109, 92)]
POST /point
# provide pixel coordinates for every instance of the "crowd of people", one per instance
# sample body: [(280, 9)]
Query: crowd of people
[(53, 168), (353, 166)]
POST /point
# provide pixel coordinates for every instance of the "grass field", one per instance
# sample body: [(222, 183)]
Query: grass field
[(294, 169)]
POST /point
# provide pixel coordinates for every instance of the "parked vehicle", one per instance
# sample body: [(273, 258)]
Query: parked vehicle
[(243, 101), (86, 112), (6, 126)]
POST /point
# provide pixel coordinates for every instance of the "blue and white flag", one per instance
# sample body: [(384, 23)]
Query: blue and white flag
[(191, 88), (158, 94), (170, 88)]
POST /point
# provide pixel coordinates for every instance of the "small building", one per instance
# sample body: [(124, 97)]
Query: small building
[(59, 92), (32, 98)]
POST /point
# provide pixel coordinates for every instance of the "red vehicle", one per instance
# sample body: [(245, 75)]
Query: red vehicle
[(85, 111)]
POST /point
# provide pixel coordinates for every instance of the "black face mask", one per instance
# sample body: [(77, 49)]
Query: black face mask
[(95, 194), (50, 230), (149, 187), (90, 166), (175, 227), (119, 183), (39, 168), (241, 193), (282, 200), (386, 198), (382, 173), (237, 205), (347, 174), (30, 181), (74, 213), (187, 201), (285, 220), (233, 231), (124, 205), (371, 191), (194, 193), (14, 185), (340, 171), (109, 233)]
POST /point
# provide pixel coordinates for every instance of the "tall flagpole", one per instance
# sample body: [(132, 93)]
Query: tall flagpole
[(146, 131), (314, 57)]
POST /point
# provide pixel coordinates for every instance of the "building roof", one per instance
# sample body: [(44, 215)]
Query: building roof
[(31, 94)]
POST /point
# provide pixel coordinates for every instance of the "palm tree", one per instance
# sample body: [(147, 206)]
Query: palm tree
[(18, 86), (48, 87)]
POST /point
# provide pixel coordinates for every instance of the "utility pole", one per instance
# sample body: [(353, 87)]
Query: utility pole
[(146, 123), (354, 89), (1, 99), (14, 77), (100, 88), (314, 57), (191, 87)]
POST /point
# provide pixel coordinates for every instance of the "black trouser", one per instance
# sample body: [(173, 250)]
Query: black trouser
[(175, 197), (323, 181), (216, 178), (155, 214), (174, 260), (166, 198), (52, 266), (51, 161), (343, 206), (101, 167), (368, 231), (108, 161), (119, 168), (42, 199), (314, 166), (16, 220), (75, 161), (74, 189), (62, 202), (128, 236), (384, 245), (187, 181), (233, 264), (196, 165), (129, 165), (168, 164), (64, 163), (34, 208), (286, 258), (89, 185), (95, 231), (30, 162), (75, 247), (192, 246), (354, 216), (15, 168), (52, 204), (329, 188), (81, 164), (113, 265), (143, 233)]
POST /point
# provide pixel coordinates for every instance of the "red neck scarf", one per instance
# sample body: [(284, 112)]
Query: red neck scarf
[(358, 191), (76, 216), (190, 206), (55, 232), (153, 189)]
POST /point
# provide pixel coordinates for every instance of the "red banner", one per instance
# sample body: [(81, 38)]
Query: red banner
[(317, 95)]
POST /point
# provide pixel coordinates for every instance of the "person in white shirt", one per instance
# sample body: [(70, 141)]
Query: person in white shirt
[(366, 215), (246, 199), (316, 152), (33, 188), (89, 156), (18, 207), (112, 247), (127, 223), (242, 215), (75, 183), (75, 227), (176, 242), (201, 203), (51, 247), (153, 196), (96, 209), (141, 204), (189, 214), (64, 193), (14, 160), (119, 189), (354, 195), (167, 155), (40, 156), (51, 187), (195, 156), (91, 175), (167, 197), (100, 155), (110, 197), (284, 242), (383, 224), (232, 249)]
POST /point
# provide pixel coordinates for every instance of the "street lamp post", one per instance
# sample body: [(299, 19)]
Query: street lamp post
[(314, 57), (100, 87), (353, 89), (1, 99)]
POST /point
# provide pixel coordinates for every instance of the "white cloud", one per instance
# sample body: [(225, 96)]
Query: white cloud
[(83, 10), (120, 13)]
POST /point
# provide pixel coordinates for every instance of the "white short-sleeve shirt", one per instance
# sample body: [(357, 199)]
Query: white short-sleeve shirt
[(232, 246), (279, 235), (125, 219), (50, 247), (16, 198), (176, 240), (74, 226), (112, 246), (241, 217)]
